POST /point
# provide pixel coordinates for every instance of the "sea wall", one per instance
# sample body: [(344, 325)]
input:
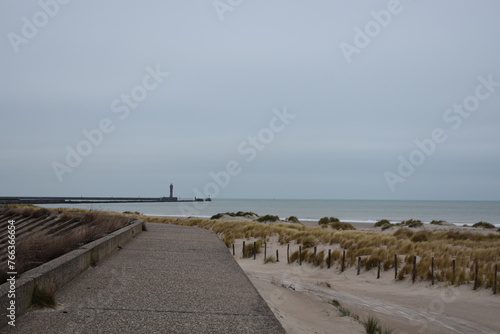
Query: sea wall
[(60, 271)]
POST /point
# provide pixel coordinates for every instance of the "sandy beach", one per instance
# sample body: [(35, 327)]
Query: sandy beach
[(301, 296)]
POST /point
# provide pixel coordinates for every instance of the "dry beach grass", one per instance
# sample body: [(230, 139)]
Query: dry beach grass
[(447, 244), (43, 235)]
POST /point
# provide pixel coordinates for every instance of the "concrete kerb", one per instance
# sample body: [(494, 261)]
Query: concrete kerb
[(63, 269)]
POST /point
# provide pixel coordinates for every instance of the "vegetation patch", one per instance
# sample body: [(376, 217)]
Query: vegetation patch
[(342, 310), (319, 259), (307, 241), (372, 262), (387, 226), (483, 225), (270, 259), (342, 226), (62, 232), (131, 213), (421, 236), (294, 257), (404, 233), (249, 248), (438, 222), (44, 297), (382, 223), (328, 220), (372, 326), (268, 218), (412, 223), (235, 214)]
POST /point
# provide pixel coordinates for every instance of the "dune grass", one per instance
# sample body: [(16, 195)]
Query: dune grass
[(38, 247), (235, 214), (44, 297), (268, 218), (270, 259), (384, 224), (437, 222), (249, 248), (465, 247), (344, 312), (484, 225), (371, 324)]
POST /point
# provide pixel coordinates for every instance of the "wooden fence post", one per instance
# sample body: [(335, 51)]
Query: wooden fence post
[(254, 250), (343, 261), (243, 248), (329, 258), (265, 250), (233, 250), (359, 264), (277, 256), (432, 271), (476, 276), (454, 266), (414, 273), (378, 270), (495, 280), (314, 257), (288, 253), (300, 255), (395, 266)]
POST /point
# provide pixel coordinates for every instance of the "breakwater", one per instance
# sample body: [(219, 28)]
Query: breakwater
[(82, 200)]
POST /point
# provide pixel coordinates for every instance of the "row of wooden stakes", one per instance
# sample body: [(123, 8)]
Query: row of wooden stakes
[(396, 261)]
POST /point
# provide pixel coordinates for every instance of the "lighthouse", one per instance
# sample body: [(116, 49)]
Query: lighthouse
[(170, 198)]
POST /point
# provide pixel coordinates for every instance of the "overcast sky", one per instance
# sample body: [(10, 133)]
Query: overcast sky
[(279, 99)]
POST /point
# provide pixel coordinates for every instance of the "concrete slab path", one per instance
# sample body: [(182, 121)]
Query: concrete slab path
[(170, 279)]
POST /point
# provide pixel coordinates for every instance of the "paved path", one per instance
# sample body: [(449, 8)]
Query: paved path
[(170, 279)]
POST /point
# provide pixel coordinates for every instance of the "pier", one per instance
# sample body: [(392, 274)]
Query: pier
[(85, 200), (82, 200)]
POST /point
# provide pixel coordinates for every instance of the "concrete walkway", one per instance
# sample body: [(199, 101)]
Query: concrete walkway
[(170, 279)]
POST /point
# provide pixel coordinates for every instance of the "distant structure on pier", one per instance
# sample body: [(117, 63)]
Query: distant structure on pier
[(171, 198)]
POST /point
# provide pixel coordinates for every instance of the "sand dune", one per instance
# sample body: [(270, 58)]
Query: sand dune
[(300, 296)]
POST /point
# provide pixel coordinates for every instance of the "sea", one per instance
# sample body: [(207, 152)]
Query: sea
[(354, 211)]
